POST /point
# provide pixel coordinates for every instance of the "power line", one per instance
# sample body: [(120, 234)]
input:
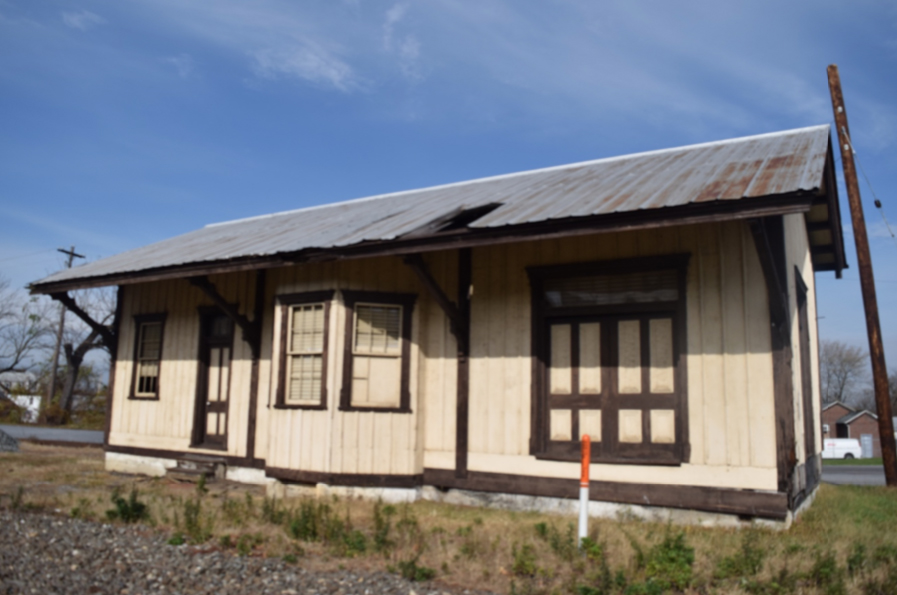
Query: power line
[(44, 251), (869, 183)]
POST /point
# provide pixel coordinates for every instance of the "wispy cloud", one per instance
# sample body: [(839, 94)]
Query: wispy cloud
[(184, 64), (405, 48), (82, 20), (307, 62)]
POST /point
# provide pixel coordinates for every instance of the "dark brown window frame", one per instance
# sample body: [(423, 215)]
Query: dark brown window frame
[(540, 445), (139, 320), (406, 300), (284, 302), (206, 314)]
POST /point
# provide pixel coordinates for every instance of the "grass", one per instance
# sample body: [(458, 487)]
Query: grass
[(836, 462), (845, 543)]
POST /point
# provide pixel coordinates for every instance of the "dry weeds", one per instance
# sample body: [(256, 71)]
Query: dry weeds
[(846, 542)]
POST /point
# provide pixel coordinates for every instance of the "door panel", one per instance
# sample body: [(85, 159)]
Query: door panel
[(613, 378), (213, 394)]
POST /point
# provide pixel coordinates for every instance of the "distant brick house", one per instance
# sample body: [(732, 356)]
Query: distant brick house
[(842, 421), (858, 424), (831, 413)]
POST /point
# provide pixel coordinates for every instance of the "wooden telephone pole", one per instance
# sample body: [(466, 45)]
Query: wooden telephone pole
[(51, 391), (867, 283)]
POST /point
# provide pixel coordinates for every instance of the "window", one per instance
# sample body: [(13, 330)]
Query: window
[(303, 350), (609, 342), (147, 355), (377, 352)]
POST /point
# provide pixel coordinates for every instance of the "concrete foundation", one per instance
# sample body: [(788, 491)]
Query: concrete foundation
[(158, 467)]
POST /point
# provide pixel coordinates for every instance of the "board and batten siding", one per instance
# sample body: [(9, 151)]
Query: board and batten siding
[(167, 423), (334, 441), (797, 254), (729, 364), (730, 381)]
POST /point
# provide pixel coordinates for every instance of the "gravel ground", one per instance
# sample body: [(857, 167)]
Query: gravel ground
[(53, 555)]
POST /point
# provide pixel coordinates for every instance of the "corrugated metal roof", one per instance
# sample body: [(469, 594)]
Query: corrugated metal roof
[(742, 168)]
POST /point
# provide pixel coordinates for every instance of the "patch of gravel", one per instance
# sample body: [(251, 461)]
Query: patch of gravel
[(53, 555)]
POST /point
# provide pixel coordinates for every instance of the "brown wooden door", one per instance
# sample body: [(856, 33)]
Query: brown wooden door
[(615, 379), (213, 395)]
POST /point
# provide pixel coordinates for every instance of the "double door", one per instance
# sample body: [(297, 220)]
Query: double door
[(616, 379)]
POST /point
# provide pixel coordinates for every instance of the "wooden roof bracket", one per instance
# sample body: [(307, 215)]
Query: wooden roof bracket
[(775, 276), (251, 330), (456, 320), (110, 340)]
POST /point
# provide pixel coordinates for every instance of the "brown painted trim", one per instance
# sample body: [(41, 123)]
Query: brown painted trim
[(769, 239), (406, 300), (258, 317), (113, 359), (250, 330), (609, 449), (138, 320), (200, 415), (462, 405), (417, 264), (707, 212), (719, 500), (284, 301), (345, 479), (834, 212), (179, 454), (806, 373)]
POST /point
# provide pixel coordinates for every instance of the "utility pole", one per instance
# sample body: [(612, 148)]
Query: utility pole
[(55, 361), (867, 283)]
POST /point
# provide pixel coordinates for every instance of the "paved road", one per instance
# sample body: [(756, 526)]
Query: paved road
[(53, 434), (858, 475)]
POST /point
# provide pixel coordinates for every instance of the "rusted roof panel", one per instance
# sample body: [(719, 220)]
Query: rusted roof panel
[(737, 169)]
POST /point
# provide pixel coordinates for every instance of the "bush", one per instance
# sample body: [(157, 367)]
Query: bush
[(746, 562), (127, 511), (412, 572), (669, 563), (524, 560)]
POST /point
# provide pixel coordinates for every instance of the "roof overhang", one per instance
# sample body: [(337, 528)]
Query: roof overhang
[(692, 214)]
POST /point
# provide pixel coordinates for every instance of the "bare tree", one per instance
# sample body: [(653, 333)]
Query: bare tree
[(23, 330), (843, 371), (80, 340)]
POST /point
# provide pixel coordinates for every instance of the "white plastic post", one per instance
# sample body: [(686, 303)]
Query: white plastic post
[(584, 489)]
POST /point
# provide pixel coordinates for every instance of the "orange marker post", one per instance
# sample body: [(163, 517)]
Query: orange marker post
[(584, 488)]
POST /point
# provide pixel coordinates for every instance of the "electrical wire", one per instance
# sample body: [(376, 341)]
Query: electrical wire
[(877, 203), (24, 255)]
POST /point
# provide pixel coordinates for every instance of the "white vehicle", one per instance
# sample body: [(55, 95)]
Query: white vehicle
[(841, 448)]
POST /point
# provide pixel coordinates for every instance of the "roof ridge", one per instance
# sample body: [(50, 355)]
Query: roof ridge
[(523, 173)]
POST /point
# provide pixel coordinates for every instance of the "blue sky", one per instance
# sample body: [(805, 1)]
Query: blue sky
[(126, 122)]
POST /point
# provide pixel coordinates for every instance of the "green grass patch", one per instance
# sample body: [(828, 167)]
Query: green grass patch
[(864, 462)]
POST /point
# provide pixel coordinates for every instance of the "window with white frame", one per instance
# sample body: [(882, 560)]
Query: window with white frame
[(147, 355), (377, 352), (303, 362)]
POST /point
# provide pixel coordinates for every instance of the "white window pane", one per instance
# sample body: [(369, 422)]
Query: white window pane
[(561, 424), (561, 372), (663, 426), (590, 358), (305, 378), (378, 329), (307, 329), (150, 340), (630, 425), (661, 349), (590, 424), (376, 381), (630, 355)]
